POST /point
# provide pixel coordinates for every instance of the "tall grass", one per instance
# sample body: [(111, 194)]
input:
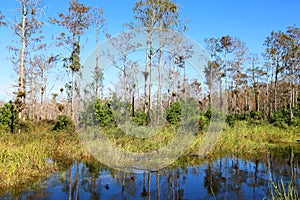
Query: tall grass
[(25, 157), (248, 139), (282, 191)]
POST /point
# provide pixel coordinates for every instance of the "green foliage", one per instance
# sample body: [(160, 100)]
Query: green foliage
[(104, 113), (256, 118), (186, 114), (8, 117), (121, 110), (64, 123), (242, 116), (173, 113), (203, 121), (140, 118), (280, 118), (215, 114), (296, 118), (88, 117), (230, 120), (253, 117), (256, 115)]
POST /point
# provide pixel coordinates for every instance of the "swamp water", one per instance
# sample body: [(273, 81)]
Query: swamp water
[(226, 177)]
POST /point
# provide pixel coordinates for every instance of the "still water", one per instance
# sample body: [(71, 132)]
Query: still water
[(226, 177)]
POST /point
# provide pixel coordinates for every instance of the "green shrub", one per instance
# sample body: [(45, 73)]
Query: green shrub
[(296, 121), (121, 111), (88, 117), (252, 117), (203, 121), (64, 123), (173, 113), (256, 115), (230, 120), (215, 114), (242, 116), (140, 118), (280, 118), (104, 113), (9, 117)]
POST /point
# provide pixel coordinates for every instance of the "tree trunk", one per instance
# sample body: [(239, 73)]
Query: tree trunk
[(97, 65), (73, 95), (292, 94), (210, 85), (184, 80), (78, 100), (159, 68), (221, 95), (150, 81), (132, 102), (275, 85), (267, 105), (291, 101), (146, 79), (125, 77), (22, 78)]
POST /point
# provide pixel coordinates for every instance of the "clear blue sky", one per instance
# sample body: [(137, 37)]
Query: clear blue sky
[(251, 21)]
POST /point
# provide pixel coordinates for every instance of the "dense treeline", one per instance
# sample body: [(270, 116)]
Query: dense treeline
[(267, 88), (246, 86)]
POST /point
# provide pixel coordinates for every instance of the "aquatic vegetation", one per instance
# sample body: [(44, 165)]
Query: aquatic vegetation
[(282, 191), (27, 156), (24, 157)]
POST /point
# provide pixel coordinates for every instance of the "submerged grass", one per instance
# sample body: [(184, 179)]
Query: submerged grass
[(27, 156)]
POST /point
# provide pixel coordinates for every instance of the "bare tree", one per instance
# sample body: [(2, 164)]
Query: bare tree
[(212, 76), (154, 17), (29, 31), (76, 22), (213, 69), (38, 76), (99, 22), (282, 49)]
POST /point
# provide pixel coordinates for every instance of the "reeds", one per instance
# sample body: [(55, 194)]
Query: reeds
[(282, 191), (25, 157), (253, 140)]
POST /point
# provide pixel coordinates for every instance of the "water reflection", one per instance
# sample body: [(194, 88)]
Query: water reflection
[(190, 178)]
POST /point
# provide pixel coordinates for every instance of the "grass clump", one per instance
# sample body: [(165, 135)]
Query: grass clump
[(282, 191)]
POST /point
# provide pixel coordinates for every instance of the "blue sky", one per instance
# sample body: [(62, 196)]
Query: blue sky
[(251, 21)]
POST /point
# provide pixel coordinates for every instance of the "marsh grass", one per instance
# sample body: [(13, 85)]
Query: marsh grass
[(28, 156), (142, 145), (282, 191), (245, 138)]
